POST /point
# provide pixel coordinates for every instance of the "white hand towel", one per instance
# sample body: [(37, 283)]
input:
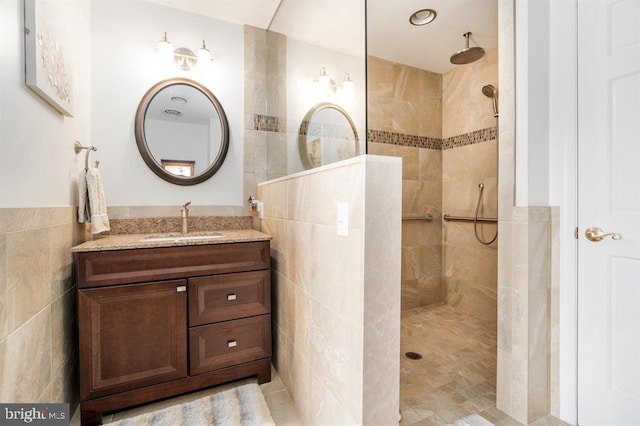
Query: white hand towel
[(84, 214), (93, 205)]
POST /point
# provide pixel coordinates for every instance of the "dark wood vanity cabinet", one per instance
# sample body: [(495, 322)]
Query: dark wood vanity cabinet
[(159, 322), (132, 336)]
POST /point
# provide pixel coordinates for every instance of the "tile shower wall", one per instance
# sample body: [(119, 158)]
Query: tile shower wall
[(443, 128), (336, 305), (38, 355), (469, 267), (405, 120)]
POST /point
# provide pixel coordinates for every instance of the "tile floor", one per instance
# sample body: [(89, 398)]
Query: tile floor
[(456, 375), (454, 378)]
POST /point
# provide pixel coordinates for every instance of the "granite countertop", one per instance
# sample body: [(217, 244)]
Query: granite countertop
[(173, 239)]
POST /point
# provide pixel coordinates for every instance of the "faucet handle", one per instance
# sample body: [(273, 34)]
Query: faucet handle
[(186, 205)]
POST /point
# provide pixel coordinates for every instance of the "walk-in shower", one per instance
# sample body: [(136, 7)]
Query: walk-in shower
[(448, 280)]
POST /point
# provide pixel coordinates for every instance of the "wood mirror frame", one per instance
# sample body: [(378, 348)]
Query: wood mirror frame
[(155, 163)]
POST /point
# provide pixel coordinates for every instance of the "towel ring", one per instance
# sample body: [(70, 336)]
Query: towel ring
[(77, 147)]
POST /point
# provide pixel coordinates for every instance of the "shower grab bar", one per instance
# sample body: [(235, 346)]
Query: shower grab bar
[(427, 217), (449, 218)]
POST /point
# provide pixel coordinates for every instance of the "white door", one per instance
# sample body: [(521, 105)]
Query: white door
[(609, 198)]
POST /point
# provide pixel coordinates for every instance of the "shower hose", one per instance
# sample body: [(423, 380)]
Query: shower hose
[(475, 220)]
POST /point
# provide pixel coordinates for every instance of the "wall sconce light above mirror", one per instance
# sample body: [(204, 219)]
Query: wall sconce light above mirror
[(328, 87), (183, 57)]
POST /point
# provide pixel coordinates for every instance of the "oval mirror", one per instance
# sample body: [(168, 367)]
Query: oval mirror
[(327, 134), (181, 131)]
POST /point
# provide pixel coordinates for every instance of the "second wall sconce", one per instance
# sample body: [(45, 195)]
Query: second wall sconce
[(328, 87), (182, 56)]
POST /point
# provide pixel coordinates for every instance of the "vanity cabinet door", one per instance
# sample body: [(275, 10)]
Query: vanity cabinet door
[(131, 336)]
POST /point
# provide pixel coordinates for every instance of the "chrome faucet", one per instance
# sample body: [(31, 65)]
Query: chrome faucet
[(184, 212)]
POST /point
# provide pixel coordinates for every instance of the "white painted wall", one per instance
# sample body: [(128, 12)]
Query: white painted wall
[(563, 190), (124, 36), (532, 102), (546, 152), (179, 141), (38, 167), (304, 61)]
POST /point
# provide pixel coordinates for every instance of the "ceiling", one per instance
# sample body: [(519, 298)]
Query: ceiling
[(337, 24), (429, 47)]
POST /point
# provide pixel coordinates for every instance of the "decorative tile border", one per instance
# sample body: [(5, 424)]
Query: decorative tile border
[(393, 138), (268, 123), (470, 138)]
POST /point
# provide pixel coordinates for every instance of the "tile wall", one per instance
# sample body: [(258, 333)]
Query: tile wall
[(336, 306), (265, 106), (38, 354), (469, 267), (443, 128), (405, 120)]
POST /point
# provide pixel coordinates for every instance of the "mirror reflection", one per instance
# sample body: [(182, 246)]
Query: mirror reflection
[(181, 131), (327, 134)]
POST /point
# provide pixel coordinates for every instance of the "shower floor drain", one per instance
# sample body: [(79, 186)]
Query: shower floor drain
[(413, 355)]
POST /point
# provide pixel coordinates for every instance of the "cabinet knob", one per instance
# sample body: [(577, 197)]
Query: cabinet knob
[(181, 288), (231, 296), (232, 344)]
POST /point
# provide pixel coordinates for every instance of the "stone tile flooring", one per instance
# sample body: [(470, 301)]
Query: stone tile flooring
[(280, 404), (456, 375)]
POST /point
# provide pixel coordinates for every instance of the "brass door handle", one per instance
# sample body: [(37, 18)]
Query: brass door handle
[(596, 234)]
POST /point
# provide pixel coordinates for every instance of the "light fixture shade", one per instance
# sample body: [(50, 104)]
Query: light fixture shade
[(204, 54), (348, 87), (165, 48)]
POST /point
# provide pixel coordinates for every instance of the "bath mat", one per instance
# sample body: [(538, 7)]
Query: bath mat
[(472, 420), (241, 406)]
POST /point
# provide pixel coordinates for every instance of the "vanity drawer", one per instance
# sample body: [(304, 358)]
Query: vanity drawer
[(230, 296), (229, 343), (102, 268)]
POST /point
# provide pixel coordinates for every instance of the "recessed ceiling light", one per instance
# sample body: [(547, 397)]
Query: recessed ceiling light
[(173, 113), (423, 17), (179, 100)]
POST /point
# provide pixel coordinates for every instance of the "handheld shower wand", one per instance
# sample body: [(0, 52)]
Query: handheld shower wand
[(490, 92)]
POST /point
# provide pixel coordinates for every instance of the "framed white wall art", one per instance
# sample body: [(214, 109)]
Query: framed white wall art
[(47, 62)]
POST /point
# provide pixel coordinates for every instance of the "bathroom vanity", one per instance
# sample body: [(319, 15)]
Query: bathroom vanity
[(159, 317)]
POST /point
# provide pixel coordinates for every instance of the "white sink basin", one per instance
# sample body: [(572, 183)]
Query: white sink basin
[(180, 237)]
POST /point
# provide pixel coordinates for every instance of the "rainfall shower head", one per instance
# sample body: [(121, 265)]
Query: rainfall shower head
[(490, 92), (468, 54)]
